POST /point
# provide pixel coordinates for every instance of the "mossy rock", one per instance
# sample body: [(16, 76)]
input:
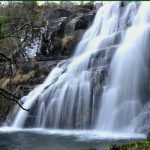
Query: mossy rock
[(68, 44), (57, 43), (68, 39), (6, 82), (139, 145), (19, 79)]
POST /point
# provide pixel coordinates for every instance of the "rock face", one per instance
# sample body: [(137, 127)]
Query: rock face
[(25, 77), (63, 31), (58, 13)]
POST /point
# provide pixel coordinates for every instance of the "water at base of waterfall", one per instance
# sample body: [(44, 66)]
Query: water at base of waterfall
[(44, 139)]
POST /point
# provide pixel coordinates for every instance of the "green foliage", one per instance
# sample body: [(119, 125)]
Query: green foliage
[(3, 27), (13, 17), (37, 14), (138, 145)]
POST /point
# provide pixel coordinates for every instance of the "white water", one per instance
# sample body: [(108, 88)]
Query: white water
[(121, 100), (69, 98), (81, 135)]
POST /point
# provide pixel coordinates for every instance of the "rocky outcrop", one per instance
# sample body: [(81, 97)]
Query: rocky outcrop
[(24, 78), (63, 32), (58, 13), (79, 21)]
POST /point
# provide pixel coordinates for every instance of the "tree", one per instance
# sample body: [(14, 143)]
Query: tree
[(18, 27)]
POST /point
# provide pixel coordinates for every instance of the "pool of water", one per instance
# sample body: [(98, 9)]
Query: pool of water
[(41, 139)]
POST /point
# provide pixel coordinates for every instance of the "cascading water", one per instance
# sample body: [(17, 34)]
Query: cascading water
[(70, 97), (125, 94)]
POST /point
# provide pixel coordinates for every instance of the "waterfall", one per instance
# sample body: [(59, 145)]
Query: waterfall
[(75, 94), (128, 77)]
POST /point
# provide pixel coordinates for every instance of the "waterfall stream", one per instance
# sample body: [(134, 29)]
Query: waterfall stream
[(104, 85)]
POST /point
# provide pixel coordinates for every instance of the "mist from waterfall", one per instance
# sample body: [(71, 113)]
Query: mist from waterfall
[(70, 97)]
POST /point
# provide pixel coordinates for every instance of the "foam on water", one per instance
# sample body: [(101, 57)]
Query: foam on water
[(78, 134)]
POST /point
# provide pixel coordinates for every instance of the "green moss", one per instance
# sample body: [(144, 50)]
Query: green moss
[(36, 14), (2, 19), (68, 39), (2, 26), (139, 145)]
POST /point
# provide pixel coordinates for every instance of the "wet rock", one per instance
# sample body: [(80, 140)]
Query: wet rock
[(98, 5), (142, 121), (79, 34), (103, 57)]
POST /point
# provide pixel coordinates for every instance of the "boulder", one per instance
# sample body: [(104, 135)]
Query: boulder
[(51, 42), (58, 13), (81, 21), (63, 32), (82, 10)]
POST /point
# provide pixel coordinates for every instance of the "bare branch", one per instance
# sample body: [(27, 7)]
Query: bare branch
[(11, 97)]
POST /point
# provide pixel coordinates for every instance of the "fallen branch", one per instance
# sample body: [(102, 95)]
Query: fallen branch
[(12, 97)]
